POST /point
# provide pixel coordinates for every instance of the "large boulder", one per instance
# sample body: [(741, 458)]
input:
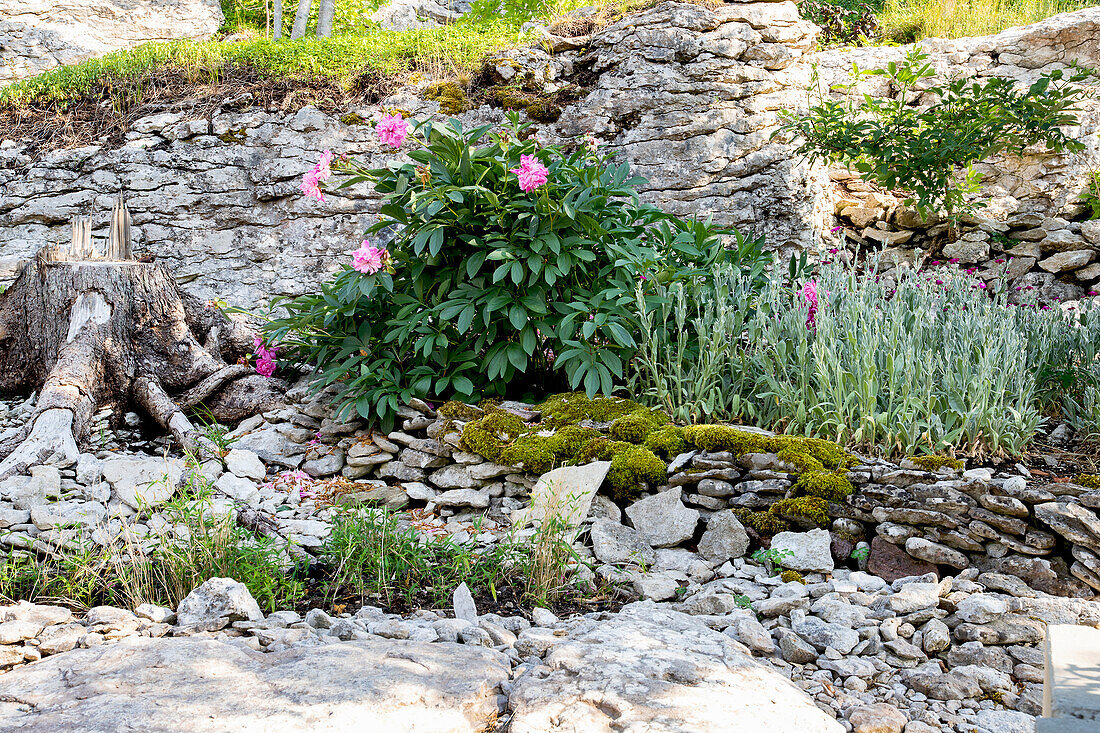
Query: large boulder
[(37, 35), (652, 669), (192, 685), (804, 551)]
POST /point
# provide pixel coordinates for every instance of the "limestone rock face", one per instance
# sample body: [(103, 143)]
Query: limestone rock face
[(661, 671), (37, 35), (145, 683)]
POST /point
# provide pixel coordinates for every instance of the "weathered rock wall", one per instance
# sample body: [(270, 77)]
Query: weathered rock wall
[(38, 35), (688, 95)]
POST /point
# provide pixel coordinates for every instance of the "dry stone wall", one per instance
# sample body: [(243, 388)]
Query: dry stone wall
[(38, 35), (688, 95)]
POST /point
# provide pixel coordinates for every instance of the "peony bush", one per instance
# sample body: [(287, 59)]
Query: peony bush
[(511, 270)]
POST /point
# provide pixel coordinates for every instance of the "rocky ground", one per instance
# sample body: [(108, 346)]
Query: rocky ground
[(928, 647)]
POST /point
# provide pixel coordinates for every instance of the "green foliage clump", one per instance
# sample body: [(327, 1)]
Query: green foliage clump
[(764, 524), (934, 463), (789, 576), (570, 439), (811, 508), (931, 149), (601, 449), (488, 285), (831, 486), (796, 455), (533, 453), (1088, 480), (635, 426), (667, 441), (633, 469), (451, 97)]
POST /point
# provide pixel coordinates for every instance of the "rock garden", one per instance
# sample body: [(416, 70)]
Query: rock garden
[(431, 414)]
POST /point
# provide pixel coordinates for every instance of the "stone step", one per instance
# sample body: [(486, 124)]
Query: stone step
[(1071, 685)]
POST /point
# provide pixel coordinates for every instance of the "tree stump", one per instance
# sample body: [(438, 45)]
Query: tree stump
[(92, 333)]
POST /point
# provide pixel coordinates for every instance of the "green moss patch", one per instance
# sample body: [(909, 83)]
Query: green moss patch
[(810, 508), (935, 463), (451, 97)]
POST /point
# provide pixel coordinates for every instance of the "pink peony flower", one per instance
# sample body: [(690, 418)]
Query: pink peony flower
[(265, 367), (392, 130), (368, 258), (310, 185), (531, 173)]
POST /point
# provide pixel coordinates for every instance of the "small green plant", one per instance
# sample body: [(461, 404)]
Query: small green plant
[(840, 22), (860, 553), (213, 431), (930, 150), (770, 559), (1091, 196)]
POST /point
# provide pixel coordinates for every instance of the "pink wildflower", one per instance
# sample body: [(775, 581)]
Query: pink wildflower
[(265, 357), (531, 173), (368, 258), (265, 367), (809, 292), (392, 130), (954, 260)]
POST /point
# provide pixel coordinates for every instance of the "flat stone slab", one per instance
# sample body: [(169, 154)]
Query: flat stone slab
[(1071, 673), (193, 685), (565, 492), (659, 671)]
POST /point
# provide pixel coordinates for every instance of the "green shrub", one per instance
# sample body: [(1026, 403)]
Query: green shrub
[(930, 150), (490, 285)]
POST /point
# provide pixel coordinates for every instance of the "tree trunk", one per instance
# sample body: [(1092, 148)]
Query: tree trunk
[(277, 29), (325, 13), (95, 333), (301, 18)]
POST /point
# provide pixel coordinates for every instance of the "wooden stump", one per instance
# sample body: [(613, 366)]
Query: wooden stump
[(91, 333)]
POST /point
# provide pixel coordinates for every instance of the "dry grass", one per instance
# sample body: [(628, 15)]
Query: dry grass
[(908, 20)]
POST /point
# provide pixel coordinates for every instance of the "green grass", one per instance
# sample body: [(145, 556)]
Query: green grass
[(908, 20), (453, 49), (352, 16)]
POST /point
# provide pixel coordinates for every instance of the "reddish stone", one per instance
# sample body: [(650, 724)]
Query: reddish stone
[(890, 562)]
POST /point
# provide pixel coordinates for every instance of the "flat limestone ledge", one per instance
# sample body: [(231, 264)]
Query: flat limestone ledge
[(190, 685), (1071, 684)]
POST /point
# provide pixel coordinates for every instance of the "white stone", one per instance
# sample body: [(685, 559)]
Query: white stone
[(246, 464), (215, 599), (143, 482), (809, 551), (565, 493), (662, 518)]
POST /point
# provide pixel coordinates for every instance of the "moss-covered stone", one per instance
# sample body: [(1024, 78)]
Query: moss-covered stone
[(352, 119), (456, 410), (1088, 480), (935, 463), (533, 453), (792, 576), (764, 524), (634, 469), (810, 508), (635, 427), (571, 408), (666, 441), (451, 97), (832, 486), (725, 438), (488, 435)]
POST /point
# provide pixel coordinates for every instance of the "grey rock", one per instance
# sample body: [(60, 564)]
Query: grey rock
[(566, 493), (666, 672), (980, 608), (245, 463), (724, 538), (935, 553), (809, 551), (616, 544), (662, 519), (144, 683), (915, 597), (143, 482), (463, 497), (824, 635), (796, 650), (463, 604), (215, 599), (454, 477)]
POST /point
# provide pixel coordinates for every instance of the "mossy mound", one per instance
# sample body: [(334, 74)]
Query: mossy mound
[(666, 441), (804, 454), (789, 576), (451, 97), (809, 508), (833, 486), (935, 463), (502, 437), (571, 408), (1088, 480), (765, 524)]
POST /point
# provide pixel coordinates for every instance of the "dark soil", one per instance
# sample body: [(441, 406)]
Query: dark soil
[(508, 600)]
